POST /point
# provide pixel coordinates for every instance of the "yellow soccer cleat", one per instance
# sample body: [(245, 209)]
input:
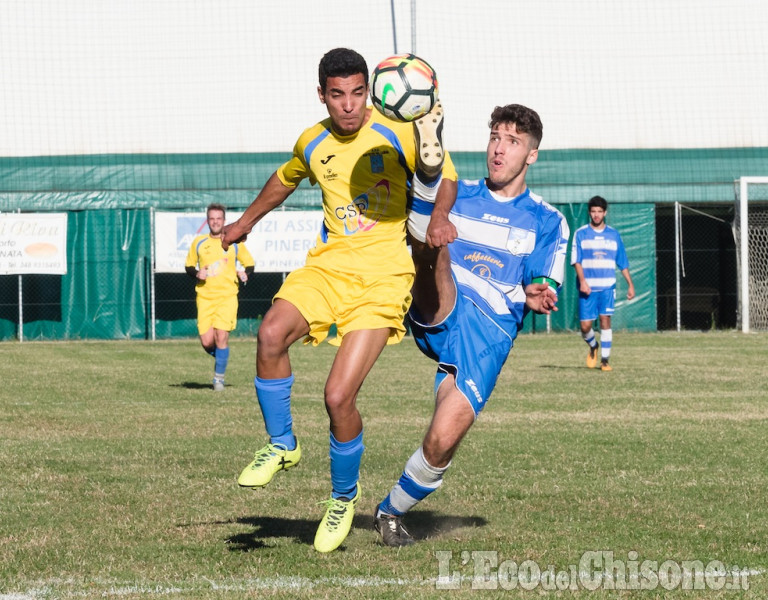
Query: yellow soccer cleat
[(604, 366), (268, 461), (592, 357), (335, 526)]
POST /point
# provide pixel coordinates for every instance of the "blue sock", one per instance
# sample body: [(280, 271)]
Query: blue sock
[(275, 400), (222, 358), (345, 466)]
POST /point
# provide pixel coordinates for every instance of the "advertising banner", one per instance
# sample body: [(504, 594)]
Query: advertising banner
[(278, 243), (33, 243)]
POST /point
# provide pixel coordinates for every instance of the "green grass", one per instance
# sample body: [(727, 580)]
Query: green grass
[(118, 470)]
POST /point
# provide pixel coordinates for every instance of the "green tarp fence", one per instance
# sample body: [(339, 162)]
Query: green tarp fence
[(107, 292)]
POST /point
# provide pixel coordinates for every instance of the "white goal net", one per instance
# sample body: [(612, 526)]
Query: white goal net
[(750, 228)]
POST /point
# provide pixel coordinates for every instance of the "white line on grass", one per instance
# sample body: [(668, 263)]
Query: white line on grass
[(53, 589)]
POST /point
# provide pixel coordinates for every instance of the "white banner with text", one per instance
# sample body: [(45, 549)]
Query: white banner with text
[(278, 243), (33, 243)]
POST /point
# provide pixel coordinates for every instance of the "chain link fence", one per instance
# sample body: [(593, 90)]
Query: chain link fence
[(111, 291)]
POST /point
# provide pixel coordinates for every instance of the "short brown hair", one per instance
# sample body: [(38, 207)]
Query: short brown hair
[(215, 206), (526, 120)]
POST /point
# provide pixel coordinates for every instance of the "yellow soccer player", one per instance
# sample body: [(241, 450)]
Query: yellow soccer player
[(358, 275), (218, 278)]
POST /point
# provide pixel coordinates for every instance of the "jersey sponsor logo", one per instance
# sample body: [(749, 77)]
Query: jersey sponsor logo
[(480, 264), (476, 257), (597, 257), (366, 210), (482, 270), (327, 159), (600, 243), (330, 175), (216, 268)]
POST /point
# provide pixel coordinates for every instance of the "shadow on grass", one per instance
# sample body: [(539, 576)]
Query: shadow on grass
[(421, 524), (192, 385)]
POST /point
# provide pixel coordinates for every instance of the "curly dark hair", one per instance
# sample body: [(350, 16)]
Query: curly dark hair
[(341, 62), (598, 201)]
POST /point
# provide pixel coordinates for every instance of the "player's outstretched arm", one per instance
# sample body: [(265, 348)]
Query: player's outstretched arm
[(440, 231), (272, 195), (541, 297)]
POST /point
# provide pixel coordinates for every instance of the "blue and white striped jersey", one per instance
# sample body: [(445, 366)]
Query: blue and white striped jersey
[(503, 244), (600, 253)]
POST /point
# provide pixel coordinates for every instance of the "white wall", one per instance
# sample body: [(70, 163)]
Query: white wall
[(133, 76)]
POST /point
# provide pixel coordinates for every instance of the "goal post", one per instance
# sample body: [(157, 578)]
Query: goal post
[(751, 234)]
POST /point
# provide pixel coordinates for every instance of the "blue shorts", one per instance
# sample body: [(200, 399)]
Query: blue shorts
[(599, 302), (469, 345)]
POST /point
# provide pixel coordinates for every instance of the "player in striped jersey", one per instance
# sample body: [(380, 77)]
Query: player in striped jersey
[(505, 255), (596, 252)]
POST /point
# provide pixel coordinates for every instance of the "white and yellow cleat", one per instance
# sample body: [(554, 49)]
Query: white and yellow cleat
[(428, 134), (268, 461), (335, 526)]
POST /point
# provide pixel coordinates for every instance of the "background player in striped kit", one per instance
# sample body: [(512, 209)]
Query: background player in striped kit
[(596, 252), (505, 255)]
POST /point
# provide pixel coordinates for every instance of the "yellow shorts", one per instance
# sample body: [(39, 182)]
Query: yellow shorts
[(219, 313), (352, 303)]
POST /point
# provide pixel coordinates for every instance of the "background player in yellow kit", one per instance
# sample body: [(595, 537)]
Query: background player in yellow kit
[(218, 278), (358, 275)]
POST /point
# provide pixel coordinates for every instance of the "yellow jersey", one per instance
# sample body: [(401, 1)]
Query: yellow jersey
[(365, 179), (206, 253)]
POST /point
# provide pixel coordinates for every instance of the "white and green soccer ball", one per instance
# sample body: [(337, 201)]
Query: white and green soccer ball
[(404, 87)]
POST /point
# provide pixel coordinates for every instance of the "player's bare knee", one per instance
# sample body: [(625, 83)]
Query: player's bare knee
[(437, 453), (271, 338), (439, 447), (338, 401)]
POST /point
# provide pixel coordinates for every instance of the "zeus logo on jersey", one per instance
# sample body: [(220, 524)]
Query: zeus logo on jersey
[(494, 218), (473, 386)]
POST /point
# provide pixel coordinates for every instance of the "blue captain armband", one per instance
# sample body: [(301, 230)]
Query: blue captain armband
[(548, 280)]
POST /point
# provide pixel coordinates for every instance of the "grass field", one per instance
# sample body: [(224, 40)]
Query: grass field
[(118, 468)]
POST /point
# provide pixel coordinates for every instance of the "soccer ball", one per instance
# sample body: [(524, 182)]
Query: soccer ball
[(403, 87)]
